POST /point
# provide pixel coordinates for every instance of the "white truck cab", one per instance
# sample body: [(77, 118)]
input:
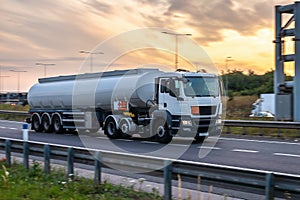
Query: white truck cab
[(193, 103)]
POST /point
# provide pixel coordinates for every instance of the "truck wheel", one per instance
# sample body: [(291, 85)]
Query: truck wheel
[(161, 131), (110, 129), (200, 139), (46, 122), (57, 124), (124, 129), (36, 124)]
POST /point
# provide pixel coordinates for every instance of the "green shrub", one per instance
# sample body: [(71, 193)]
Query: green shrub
[(18, 183)]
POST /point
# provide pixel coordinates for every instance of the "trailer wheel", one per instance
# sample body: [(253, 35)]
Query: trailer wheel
[(36, 123), (110, 129), (161, 131), (57, 124), (46, 122)]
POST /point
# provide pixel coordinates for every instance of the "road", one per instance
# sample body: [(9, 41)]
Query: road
[(263, 154)]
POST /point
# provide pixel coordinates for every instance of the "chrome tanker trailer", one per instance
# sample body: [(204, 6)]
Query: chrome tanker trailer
[(148, 102)]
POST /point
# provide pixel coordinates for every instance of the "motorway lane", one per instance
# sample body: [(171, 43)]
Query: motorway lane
[(271, 155)]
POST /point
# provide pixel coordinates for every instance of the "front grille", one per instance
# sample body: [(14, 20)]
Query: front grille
[(202, 124), (207, 110)]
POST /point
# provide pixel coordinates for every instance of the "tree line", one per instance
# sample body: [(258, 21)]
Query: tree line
[(241, 84)]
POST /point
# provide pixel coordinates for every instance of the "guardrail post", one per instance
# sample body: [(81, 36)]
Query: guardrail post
[(269, 188), (167, 180), (47, 158), (70, 162), (97, 176), (261, 133), (8, 153), (227, 129), (26, 155), (278, 133), (244, 130)]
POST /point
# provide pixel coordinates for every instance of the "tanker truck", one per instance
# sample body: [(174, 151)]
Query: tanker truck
[(149, 102)]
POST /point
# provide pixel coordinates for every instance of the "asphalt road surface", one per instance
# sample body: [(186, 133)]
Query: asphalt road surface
[(262, 154)]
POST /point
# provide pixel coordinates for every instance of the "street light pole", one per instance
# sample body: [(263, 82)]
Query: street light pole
[(45, 67), (91, 59), (176, 45), (18, 74), (228, 58), (2, 83), (0, 78)]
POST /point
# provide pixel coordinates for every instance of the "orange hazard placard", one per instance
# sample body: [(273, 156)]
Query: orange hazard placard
[(120, 105)]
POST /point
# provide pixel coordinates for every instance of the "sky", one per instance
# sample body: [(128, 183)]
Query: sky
[(228, 34)]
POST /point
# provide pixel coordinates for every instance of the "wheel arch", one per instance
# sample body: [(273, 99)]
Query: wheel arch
[(38, 116), (48, 115), (116, 119), (56, 114), (161, 114)]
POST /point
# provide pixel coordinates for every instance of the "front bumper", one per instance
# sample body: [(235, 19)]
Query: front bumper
[(192, 127)]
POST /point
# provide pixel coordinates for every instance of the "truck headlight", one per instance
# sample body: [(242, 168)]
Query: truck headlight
[(219, 121), (186, 122)]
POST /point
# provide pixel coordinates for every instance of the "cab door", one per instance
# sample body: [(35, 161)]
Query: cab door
[(168, 96)]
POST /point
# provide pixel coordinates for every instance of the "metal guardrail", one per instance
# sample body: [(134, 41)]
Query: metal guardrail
[(262, 125), (14, 112), (270, 184)]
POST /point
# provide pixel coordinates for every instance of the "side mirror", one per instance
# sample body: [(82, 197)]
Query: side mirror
[(185, 80)]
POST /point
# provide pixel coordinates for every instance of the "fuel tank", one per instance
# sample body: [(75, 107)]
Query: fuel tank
[(94, 90)]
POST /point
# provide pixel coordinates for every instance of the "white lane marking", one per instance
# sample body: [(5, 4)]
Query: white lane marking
[(285, 154), (149, 142), (205, 147), (245, 150), (179, 145), (260, 141), (103, 138), (125, 140), (11, 128)]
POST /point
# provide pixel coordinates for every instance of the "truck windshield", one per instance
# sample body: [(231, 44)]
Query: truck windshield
[(201, 86)]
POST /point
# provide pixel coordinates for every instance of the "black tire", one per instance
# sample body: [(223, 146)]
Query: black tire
[(200, 139), (46, 123), (36, 124), (161, 131), (57, 124), (110, 129)]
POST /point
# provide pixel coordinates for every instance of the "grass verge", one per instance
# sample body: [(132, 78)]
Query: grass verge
[(18, 183), (13, 117)]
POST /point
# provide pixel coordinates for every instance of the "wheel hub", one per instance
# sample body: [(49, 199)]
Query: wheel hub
[(124, 128), (161, 131)]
